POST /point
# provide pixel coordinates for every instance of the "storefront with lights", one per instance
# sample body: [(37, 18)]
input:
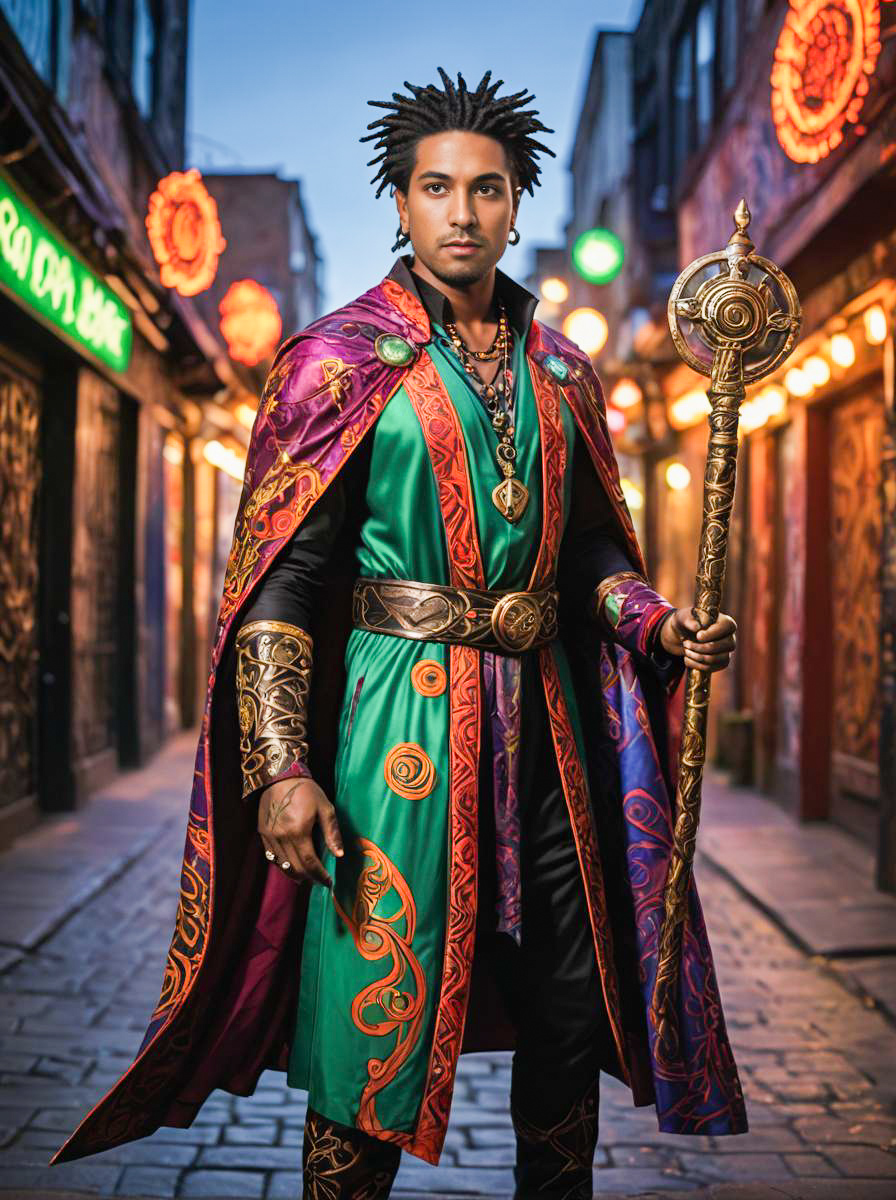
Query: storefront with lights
[(204, 458), (107, 575), (68, 443), (811, 568)]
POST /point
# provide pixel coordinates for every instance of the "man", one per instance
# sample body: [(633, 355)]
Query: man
[(447, 689)]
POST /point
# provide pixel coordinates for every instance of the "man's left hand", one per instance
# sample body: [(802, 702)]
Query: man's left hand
[(707, 649)]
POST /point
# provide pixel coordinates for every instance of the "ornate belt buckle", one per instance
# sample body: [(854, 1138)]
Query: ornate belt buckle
[(516, 620)]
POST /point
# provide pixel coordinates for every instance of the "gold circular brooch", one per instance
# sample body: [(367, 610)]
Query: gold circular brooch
[(515, 621)]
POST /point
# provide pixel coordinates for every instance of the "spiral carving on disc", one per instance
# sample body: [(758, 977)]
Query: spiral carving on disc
[(733, 312)]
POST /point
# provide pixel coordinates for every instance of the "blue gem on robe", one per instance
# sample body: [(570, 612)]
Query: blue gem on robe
[(557, 367)]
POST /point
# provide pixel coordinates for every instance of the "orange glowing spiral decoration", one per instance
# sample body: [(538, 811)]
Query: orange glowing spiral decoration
[(826, 51), (184, 232), (409, 771), (428, 677), (250, 321)]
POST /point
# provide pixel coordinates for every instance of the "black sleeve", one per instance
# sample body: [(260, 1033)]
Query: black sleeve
[(288, 589), (590, 549)]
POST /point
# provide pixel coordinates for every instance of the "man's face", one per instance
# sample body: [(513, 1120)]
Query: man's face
[(459, 206)]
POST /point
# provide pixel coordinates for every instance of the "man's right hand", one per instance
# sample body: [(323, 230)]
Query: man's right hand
[(287, 813)]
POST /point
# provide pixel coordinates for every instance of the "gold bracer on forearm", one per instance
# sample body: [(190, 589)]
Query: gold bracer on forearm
[(610, 587), (630, 611), (273, 679)]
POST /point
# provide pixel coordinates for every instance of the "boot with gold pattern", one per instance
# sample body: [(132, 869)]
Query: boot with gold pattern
[(340, 1162), (554, 1162)]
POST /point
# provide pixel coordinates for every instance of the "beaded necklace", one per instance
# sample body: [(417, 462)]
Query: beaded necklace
[(510, 496)]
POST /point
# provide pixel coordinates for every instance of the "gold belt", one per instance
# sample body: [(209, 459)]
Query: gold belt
[(505, 621)]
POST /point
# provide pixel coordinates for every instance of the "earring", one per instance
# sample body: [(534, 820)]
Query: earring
[(511, 240), (401, 239)]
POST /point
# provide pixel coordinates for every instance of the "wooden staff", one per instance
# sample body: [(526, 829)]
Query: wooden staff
[(734, 316)]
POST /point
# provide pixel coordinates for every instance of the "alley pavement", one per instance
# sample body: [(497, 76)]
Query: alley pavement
[(88, 904)]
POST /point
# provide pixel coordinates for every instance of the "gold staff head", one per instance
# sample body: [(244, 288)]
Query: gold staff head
[(734, 301)]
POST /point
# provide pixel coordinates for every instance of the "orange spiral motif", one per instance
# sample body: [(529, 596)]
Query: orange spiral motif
[(409, 771), (400, 995), (826, 53), (184, 232), (428, 677)]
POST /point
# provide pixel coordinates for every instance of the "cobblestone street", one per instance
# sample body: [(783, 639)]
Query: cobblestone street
[(89, 904)]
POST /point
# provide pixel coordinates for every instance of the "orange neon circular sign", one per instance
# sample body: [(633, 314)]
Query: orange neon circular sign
[(826, 51), (184, 232), (250, 321)]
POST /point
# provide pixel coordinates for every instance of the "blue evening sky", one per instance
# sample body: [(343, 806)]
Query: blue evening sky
[(283, 86)]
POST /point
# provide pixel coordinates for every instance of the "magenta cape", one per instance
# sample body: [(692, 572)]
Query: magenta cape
[(228, 1001)]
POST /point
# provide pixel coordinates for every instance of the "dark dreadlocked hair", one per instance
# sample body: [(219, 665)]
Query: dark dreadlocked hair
[(429, 110)]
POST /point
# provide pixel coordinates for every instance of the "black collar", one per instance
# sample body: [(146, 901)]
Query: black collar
[(519, 301)]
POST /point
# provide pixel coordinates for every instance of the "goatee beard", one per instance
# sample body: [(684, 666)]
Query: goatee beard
[(461, 277)]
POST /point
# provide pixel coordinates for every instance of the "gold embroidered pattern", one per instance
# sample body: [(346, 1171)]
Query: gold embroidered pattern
[(409, 771), (192, 918), (568, 1146), (273, 677), (338, 1161), (273, 510), (428, 677), (337, 378)]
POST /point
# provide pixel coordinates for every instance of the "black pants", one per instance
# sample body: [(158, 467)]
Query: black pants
[(550, 983)]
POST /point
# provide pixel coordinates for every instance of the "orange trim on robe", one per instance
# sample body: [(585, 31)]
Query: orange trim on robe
[(444, 439)]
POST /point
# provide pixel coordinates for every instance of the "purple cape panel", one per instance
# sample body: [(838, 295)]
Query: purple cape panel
[(699, 1091)]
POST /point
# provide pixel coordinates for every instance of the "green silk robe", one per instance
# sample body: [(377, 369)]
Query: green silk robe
[(368, 1003)]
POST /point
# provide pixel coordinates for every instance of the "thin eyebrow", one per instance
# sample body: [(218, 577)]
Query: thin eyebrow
[(487, 177)]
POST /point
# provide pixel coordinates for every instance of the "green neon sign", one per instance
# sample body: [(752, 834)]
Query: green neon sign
[(39, 268), (598, 255)]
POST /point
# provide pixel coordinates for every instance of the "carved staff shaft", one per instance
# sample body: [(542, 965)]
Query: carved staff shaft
[(725, 396), (742, 321)]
